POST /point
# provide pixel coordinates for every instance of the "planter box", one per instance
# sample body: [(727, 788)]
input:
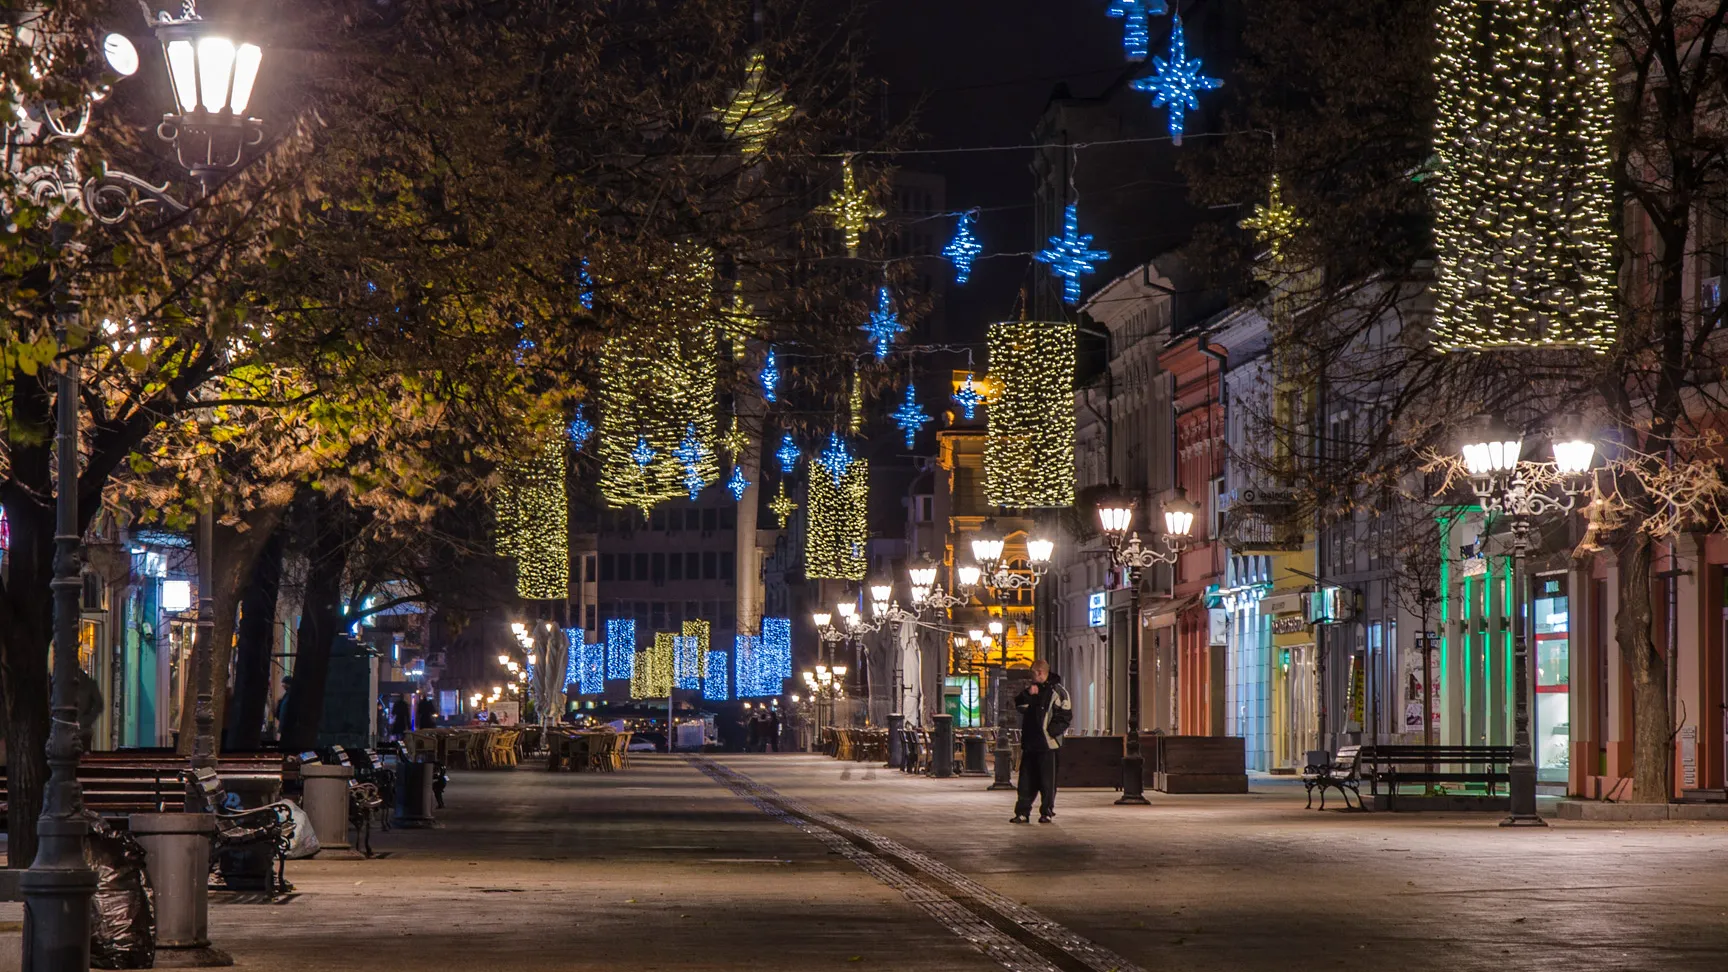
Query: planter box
[(1198, 764), (1090, 761)]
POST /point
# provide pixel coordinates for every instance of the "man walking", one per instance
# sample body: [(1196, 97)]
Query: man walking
[(1045, 713)]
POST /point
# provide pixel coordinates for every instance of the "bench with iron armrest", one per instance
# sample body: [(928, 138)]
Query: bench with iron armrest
[(369, 767), (365, 802), (125, 782), (1489, 767), (238, 830), (1342, 772)]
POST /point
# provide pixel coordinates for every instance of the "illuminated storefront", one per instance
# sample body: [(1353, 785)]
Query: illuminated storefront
[(1552, 656)]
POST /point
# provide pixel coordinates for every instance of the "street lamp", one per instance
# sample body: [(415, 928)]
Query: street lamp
[(1116, 520), (1504, 483)]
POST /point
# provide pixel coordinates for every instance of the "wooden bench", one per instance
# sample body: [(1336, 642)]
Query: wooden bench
[(150, 780), (1488, 767), (239, 831), (1342, 772)]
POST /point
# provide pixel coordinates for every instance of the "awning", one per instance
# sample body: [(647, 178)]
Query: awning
[(1164, 612)]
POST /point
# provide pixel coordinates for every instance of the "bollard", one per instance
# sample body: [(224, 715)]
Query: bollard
[(896, 740), (414, 794), (325, 800), (177, 849), (942, 746)]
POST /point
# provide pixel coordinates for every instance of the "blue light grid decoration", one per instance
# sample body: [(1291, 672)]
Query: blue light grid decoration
[(1176, 82), (621, 648), (580, 429), (572, 656), (836, 458), (1136, 34), (748, 679), (911, 417), (787, 454), (593, 669), (643, 454), (687, 662), (884, 325), (738, 483), (1070, 255), (691, 453), (776, 653), (715, 684), (586, 279), (964, 247), (968, 397), (771, 378)]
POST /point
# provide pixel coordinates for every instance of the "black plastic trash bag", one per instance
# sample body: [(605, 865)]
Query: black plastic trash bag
[(122, 914)]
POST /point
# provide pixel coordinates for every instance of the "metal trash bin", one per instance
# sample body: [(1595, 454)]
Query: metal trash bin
[(414, 794), (325, 800)]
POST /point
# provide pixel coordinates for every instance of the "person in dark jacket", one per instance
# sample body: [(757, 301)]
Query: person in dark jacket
[(425, 713), (1045, 714), (399, 718)]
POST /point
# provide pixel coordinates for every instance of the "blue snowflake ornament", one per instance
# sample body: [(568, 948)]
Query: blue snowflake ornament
[(788, 455), (964, 247), (738, 483), (911, 417), (580, 429), (691, 453), (836, 458), (968, 397), (884, 325), (1070, 255), (1136, 33), (1177, 82), (771, 378), (586, 279), (643, 454)]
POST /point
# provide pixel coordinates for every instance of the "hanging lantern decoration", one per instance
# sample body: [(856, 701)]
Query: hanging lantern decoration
[(787, 454), (964, 247), (782, 506), (968, 398), (755, 111), (533, 523), (1070, 256), (851, 209), (911, 417), (884, 325), (1177, 82), (1029, 450), (838, 523)]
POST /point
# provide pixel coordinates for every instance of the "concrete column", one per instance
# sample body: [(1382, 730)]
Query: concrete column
[(326, 802), (1691, 702), (1584, 659)]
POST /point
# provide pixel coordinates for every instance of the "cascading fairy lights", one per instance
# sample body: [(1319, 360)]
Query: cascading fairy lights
[(1136, 33), (702, 632), (1177, 82), (851, 209), (1029, 450), (884, 324), (593, 669), (782, 506), (621, 648), (755, 110), (910, 416), (968, 397), (1070, 256), (572, 656), (586, 282), (1523, 203), (533, 523), (838, 528), (749, 677), (964, 247), (687, 660), (764, 661), (654, 670), (716, 686)]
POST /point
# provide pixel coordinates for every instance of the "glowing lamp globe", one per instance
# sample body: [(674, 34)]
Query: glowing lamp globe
[(821, 618), (1179, 515), (880, 592), (1492, 448), (839, 671), (968, 576), (847, 609), (923, 575), (987, 545), (995, 627), (1040, 551), (1572, 457), (1115, 513), (919, 594), (121, 55)]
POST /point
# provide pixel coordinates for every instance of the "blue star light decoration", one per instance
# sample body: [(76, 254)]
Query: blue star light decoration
[(586, 279), (690, 454), (580, 429), (787, 454), (643, 454), (884, 325), (1070, 255), (963, 248), (1136, 35), (771, 378), (968, 397), (911, 417), (1176, 82), (738, 483), (836, 458)]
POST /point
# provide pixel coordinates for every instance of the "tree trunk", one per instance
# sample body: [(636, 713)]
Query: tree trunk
[(24, 672), (245, 725), (1652, 729), (320, 622)]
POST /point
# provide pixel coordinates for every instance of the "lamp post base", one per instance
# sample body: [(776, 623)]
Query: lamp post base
[(1004, 770), (1133, 782)]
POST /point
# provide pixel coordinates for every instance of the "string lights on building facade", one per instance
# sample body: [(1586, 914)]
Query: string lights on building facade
[(533, 523), (1070, 256), (910, 416), (851, 209), (755, 111), (884, 324), (964, 247), (838, 527), (1029, 449), (1176, 82), (1523, 202), (621, 648)]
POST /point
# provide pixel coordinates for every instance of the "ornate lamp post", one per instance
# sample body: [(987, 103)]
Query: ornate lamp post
[(1506, 484), (1116, 519), (993, 573)]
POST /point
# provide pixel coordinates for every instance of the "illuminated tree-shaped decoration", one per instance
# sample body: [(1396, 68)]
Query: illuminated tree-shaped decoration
[(1524, 205), (770, 377), (1070, 255), (1029, 451), (837, 458), (621, 648), (968, 398), (695, 458), (911, 417), (788, 454), (1274, 223), (782, 506), (738, 483), (884, 324), (533, 523), (1177, 81), (1136, 33), (755, 111), (580, 429), (964, 247), (838, 527), (850, 208)]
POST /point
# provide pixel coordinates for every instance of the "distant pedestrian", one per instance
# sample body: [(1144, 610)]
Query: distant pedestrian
[(399, 717), (282, 704), (425, 713), (754, 742), (774, 730), (1045, 714)]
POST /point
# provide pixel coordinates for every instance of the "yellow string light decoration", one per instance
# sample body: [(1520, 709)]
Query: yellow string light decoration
[(783, 506), (1274, 223), (656, 388), (1029, 449), (755, 111), (653, 676), (1523, 203), (838, 526), (532, 512), (739, 322), (855, 406), (700, 630), (851, 209)]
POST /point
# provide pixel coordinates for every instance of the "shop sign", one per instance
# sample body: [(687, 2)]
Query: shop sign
[(1097, 609), (1218, 627), (1289, 624)]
